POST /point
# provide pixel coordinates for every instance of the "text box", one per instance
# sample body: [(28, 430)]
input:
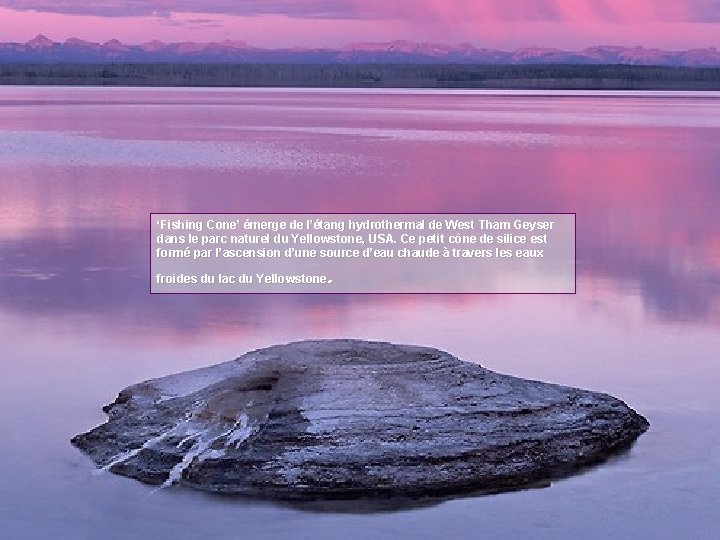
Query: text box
[(363, 253)]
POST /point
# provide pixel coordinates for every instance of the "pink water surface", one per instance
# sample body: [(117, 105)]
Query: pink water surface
[(81, 169)]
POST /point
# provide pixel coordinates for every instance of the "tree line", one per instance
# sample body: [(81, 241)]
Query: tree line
[(546, 76)]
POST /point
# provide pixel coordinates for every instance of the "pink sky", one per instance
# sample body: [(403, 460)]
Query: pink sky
[(277, 23)]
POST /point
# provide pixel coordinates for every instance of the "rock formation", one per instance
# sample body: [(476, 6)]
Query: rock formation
[(345, 418)]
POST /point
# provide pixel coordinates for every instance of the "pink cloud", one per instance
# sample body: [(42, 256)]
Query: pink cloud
[(491, 23), (613, 10)]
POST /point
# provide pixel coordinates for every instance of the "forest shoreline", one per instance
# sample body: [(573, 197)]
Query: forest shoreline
[(447, 76)]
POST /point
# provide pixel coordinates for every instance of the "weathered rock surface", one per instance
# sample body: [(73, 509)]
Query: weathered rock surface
[(345, 418)]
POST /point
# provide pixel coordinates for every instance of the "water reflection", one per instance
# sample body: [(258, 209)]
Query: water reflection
[(73, 234), (77, 322)]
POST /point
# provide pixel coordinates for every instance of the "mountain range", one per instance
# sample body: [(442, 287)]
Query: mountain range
[(43, 50)]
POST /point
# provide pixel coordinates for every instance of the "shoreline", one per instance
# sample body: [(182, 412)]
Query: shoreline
[(365, 76)]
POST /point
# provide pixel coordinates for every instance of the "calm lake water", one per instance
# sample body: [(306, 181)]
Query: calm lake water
[(81, 169)]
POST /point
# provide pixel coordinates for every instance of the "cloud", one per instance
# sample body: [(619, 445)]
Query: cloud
[(142, 8), (611, 11), (408, 10)]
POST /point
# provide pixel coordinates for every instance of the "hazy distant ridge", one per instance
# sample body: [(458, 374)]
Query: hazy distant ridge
[(41, 49)]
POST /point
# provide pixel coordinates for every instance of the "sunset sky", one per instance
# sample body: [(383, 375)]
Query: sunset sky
[(278, 23)]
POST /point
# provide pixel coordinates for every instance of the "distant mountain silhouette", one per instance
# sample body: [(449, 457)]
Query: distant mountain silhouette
[(41, 49)]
